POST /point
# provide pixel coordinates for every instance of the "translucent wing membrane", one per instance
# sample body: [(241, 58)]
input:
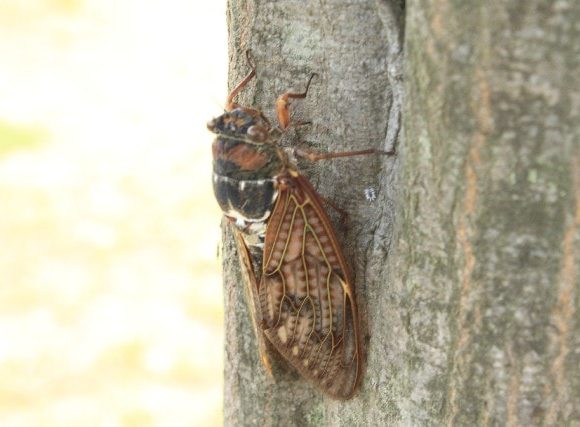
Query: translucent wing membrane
[(306, 296), (252, 300)]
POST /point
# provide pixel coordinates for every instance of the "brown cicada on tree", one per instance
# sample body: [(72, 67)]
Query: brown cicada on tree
[(301, 291)]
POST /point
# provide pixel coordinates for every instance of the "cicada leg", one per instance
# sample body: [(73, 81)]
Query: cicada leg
[(230, 104), (283, 106), (283, 113), (314, 156)]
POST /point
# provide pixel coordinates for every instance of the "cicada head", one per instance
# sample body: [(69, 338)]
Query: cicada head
[(240, 123)]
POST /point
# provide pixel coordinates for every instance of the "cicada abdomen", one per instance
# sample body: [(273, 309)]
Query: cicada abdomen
[(302, 294)]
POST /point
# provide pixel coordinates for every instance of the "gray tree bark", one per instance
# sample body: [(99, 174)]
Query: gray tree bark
[(467, 263)]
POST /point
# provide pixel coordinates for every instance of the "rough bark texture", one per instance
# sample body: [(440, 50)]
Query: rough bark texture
[(467, 263)]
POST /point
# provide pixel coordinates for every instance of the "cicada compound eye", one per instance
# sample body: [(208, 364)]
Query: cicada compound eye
[(257, 133), (211, 124)]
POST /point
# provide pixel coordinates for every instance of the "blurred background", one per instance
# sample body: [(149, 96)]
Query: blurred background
[(110, 290)]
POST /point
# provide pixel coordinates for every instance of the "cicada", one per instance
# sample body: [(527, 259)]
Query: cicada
[(302, 295)]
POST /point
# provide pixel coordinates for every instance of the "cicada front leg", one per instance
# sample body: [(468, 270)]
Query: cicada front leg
[(283, 106), (283, 113)]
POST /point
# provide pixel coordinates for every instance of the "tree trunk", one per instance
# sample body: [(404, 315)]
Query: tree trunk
[(467, 262)]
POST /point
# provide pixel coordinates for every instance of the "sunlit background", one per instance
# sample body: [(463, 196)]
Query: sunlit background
[(110, 295)]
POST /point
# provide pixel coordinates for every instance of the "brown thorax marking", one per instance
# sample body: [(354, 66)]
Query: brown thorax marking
[(247, 157)]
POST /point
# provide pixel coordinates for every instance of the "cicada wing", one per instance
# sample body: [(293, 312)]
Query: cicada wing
[(252, 299), (307, 298)]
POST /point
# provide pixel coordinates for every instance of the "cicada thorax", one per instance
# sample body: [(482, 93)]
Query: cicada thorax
[(246, 165)]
